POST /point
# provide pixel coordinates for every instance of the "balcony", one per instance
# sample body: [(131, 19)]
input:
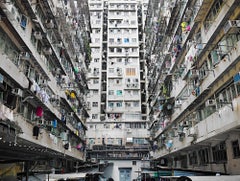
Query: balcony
[(7, 65), (44, 140)]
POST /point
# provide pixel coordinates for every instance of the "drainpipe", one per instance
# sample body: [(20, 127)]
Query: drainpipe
[(26, 169)]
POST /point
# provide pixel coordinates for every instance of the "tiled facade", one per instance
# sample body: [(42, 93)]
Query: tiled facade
[(117, 126)]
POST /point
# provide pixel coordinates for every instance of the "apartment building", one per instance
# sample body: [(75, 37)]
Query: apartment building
[(43, 64), (192, 52), (117, 127)]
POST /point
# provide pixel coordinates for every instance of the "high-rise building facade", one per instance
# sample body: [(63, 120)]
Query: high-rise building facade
[(124, 86), (192, 51), (117, 126), (43, 62)]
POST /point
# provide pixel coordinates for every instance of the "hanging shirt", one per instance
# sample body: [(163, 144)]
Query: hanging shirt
[(39, 111), (54, 123)]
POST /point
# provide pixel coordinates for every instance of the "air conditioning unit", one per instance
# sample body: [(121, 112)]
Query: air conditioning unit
[(135, 85), (38, 35), (94, 160), (88, 107), (129, 130), (163, 136), (178, 103), (129, 140), (231, 25), (71, 114), (210, 102), (17, 92), (43, 83), (25, 56), (48, 123), (47, 51), (193, 73), (190, 43), (56, 71), (191, 131), (40, 122), (49, 23)]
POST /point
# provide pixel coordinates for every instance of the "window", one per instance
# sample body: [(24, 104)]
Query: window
[(111, 50), (111, 92), (203, 156), (136, 104), (119, 50), (95, 92), (118, 81), (111, 40), (119, 104), (193, 158), (97, 40), (110, 104), (134, 40), (139, 141), (111, 70), (235, 148), (94, 104), (96, 59), (98, 22), (96, 71), (111, 21), (94, 116), (133, 22), (219, 152), (215, 9), (91, 140), (135, 92), (134, 49), (119, 92), (110, 141), (134, 31), (119, 40), (95, 81), (130, 71), (97, 31), (126, 40), (95, 50), (119, 60), (119, 141), (127, 104), (119, 21), (23, 21)]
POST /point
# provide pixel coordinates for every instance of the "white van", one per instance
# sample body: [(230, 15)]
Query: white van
[(201, 178), (76, 176)]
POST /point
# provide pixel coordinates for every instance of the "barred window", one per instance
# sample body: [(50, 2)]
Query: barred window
[(219, 152), (235, 148)]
